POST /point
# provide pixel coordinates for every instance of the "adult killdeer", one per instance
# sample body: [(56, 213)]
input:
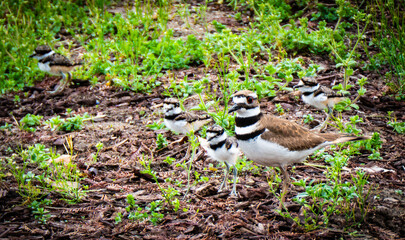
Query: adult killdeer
[(223, 148), (276, 142), (179, 121), (55, 64), (318, 96)]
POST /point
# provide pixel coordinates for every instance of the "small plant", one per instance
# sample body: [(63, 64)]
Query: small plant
[(279, 109), (169, 193), (200, 178), (218, 26), (29, 122), (193, 140), (373, 145), (39, 212), (118, 218), (398, 127), (161, 141), (6, 126), (99, 146), (169, 160), (73, 123), (69, 124), (156, 126), (54, 122), (308, 118), (137, 213)]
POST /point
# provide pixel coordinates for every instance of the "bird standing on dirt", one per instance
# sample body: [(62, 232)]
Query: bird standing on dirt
[(182, 122), (55, 64), (276, 142), (223, 148), (179, 121), (319, 97)]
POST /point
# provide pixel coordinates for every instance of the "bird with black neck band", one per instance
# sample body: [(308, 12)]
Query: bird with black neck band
[(223, 148), (276, 142), (319, 97), (180, 121), (55, 64)]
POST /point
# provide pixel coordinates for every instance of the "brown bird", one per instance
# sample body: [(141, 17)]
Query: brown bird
[(276, 142), (318, 96), (54, 64)]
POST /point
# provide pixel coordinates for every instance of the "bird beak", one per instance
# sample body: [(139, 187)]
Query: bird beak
[(234, 108), (32, 55)]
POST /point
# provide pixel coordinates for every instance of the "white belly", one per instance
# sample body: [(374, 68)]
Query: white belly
[(224, 155), (45, 67), (317, 102), (178, 126), (271, 154)]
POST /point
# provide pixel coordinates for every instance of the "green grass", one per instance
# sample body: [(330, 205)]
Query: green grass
[(49, 176), (390, 39), (134, 48)]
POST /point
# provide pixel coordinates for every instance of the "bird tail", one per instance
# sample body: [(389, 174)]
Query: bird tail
[(348, 138)]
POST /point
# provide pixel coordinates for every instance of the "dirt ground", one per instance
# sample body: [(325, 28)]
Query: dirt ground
[(210, 215)]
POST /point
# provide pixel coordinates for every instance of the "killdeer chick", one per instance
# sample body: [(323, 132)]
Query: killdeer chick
[(54, 64), (179, 121), (276, 142), (318, 96), (182, 122), (223, 148)]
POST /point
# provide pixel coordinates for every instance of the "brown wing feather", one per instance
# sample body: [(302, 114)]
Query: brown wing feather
[(191, 117), (58, 59), (230, 141), (328, 92), (291, 135)]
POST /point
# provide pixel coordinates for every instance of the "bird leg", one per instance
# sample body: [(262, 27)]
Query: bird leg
[(63, 83), (235, 175), (225, 178), (328, 115), (286, 182)]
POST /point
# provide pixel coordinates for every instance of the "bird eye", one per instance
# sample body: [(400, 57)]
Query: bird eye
[(249, 99)]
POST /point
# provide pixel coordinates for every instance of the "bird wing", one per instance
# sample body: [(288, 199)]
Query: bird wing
[(230, 141), (328, 92), (190, 117), (58, 59), (291, 135)]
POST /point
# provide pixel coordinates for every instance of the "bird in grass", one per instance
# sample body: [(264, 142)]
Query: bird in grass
[(276, 142), (319, 97), (179, 121), (54, 64), (182, 122), (221, 147)]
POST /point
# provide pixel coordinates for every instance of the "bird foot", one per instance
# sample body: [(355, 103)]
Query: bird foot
[(234, 194)]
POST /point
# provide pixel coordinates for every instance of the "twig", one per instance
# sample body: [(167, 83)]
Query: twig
[(94, 118), (116, 145)]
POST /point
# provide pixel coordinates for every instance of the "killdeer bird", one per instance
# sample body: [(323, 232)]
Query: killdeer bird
[(318, 96), (179, 121), (223, 148), (276, 142), (55, 64)]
